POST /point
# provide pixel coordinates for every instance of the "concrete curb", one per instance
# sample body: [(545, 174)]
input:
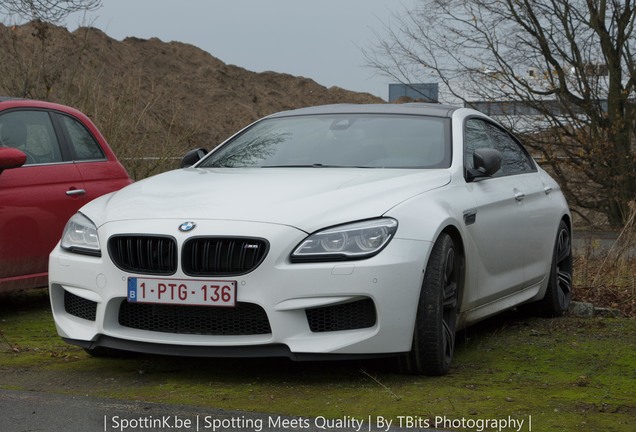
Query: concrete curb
[(588, 310)]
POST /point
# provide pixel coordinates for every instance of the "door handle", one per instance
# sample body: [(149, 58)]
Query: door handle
[(547, 190), (75, 192), (519, 196)]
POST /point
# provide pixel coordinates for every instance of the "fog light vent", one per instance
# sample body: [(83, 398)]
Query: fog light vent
[(80, 307), (346, 316)]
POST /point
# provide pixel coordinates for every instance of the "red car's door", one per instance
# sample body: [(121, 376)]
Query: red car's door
[(68, 164), (100, 170), (35, 203)]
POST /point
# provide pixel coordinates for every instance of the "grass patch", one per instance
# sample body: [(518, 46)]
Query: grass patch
[(568, 374)]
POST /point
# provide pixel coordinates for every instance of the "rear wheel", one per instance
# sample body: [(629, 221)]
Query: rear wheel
[(559, 292), (434, 335)]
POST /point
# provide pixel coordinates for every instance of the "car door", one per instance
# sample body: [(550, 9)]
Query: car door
[(100, 171), (539, 214), (498, 224), (36, 200)]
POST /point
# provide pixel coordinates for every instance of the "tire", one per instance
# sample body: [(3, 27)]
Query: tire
[(559, 292), (436, 321)]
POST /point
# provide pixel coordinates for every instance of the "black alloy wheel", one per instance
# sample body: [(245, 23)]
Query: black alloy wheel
[(559, 292), (436, 323)]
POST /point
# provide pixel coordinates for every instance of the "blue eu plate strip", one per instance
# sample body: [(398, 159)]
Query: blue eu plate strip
[(132, 289)]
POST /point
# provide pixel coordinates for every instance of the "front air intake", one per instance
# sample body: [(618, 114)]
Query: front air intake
[(243, 320), (80, 307), (354, 315)]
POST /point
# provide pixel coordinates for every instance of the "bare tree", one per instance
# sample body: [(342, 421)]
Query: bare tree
[(33, 68), (567, 65), (51, 11)]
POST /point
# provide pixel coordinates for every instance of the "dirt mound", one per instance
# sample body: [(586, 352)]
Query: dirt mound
[(161, 92)]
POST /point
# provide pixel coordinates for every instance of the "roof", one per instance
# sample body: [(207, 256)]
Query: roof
[(13, 102), (428, 109)]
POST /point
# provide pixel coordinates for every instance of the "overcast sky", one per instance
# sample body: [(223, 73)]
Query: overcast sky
[(317, 39)]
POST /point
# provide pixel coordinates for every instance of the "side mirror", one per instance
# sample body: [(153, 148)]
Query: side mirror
[(486, 162), (11, 158), (192, 157)]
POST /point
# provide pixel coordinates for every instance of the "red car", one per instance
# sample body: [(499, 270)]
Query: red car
[(53, 160)]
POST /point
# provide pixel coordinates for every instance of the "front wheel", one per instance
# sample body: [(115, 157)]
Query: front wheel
[(436, 321)]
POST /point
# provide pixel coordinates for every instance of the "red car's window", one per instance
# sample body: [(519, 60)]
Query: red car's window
[(84, 145), (31, 132)]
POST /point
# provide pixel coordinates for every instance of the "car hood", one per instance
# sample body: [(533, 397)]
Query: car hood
[(305, 198)]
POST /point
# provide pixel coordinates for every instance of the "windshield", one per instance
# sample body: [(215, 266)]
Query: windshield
[(343, 140)]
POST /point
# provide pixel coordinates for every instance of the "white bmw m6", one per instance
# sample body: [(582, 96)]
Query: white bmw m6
[(329, 232)]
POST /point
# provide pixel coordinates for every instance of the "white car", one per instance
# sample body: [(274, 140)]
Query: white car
[(329, 232)]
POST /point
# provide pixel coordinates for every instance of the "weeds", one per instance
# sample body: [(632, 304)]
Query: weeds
[(395, 396), (139, 117), (606, 277), (145, 145)]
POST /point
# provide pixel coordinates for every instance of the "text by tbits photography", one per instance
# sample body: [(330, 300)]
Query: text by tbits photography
[(271, 423)]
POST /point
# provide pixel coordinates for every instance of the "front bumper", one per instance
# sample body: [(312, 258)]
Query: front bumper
[(310, 309)]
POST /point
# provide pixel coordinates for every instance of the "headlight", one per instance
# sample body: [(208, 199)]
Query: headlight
[(80, 236), (357, 240)]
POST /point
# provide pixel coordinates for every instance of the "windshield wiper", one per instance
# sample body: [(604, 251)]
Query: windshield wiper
[(316, 165)]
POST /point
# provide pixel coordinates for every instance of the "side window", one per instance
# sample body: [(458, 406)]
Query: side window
[(85, 147), (475, 136), (31, 132), (515, 159)]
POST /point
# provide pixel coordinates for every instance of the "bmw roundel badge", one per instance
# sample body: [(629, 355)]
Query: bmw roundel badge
[(187, 226)]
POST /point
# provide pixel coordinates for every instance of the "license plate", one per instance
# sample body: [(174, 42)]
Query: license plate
[(182, 291)]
